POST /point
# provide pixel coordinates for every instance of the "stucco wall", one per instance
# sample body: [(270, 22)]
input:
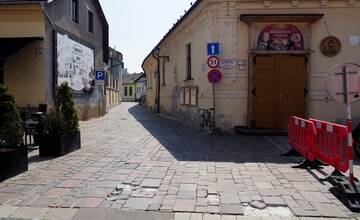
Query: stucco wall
[(218, 21), (59, 13), (24, 75), (128, 97)]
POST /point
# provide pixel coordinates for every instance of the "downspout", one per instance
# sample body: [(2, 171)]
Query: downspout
[(158, 83), (54, 39)]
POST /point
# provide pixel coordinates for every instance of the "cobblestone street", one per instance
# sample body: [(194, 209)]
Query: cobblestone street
[(133, 160)]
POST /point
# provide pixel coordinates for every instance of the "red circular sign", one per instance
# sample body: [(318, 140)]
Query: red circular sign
[(214, 76), (213, 62)]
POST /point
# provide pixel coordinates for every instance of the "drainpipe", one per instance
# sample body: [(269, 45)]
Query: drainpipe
[(155, 54)]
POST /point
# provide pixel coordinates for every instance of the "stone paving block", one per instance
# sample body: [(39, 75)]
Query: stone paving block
[(60, 214), (57, 192), (6, 211), (151, 183), (228, 217), (232, 209), (89, 202), (70, 184), (30, 212), (196, 216), (211, 217), (182, 216), (184, 205), (274, 201), (229, 198), (264, 185), (43, 201), (138, 203), (81, 176), (330, 210), (316, 197)]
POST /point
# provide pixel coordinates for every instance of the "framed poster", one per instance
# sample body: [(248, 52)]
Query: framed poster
[(280, 37), (75, 63), (187, 95), (194, 96), (181, 96)]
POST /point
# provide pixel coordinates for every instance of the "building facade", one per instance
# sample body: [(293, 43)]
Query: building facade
[(47, 43), (274, 57), (113, 84), (140, 88), (129, 87)]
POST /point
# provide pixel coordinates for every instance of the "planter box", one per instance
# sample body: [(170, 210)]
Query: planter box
[(59, 146), (13, 162)]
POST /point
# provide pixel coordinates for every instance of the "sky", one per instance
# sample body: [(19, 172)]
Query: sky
[(136, 26)]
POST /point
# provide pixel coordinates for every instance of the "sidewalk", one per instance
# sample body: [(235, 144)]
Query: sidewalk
[(133, 160)]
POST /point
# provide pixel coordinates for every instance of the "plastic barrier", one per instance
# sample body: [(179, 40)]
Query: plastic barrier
[(302, 134), (331, 144)]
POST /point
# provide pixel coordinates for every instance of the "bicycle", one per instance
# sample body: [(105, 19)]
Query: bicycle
[(207, 119)]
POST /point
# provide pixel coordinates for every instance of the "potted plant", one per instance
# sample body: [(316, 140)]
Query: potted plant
[(60, 129), (13, 154)]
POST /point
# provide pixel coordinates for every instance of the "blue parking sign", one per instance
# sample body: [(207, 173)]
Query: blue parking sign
[(100, 75), (213, 49)]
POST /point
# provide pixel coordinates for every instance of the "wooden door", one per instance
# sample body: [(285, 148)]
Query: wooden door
[(266, 91), (292, 70), (279, 90)]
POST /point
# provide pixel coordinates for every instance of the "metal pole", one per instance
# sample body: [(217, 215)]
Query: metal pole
[(349, 123), (214, 104)]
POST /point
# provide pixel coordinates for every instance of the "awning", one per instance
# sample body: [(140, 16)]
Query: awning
[(309, 18), (11, 45)]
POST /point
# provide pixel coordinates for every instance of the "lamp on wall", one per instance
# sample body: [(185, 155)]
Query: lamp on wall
[(38, 51)]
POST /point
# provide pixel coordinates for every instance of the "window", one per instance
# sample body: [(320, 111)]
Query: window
[(163, 72), (130, 91), (75, 10), (126, 92), (188, 62), (182, 96), (189, 96), (90, 22)]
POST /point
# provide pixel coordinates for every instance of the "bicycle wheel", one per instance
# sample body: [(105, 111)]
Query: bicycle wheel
[(201, 120), (211, 126)]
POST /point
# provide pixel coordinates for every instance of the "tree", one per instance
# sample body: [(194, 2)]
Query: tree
[(11, 132)]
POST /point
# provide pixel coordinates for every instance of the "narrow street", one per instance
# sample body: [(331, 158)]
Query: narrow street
[(135, 160)]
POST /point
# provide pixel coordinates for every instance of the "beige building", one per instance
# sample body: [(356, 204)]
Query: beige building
[(275, 58)]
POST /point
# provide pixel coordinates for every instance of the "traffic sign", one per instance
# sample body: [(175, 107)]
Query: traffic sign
[(215, 76), (213, 62), (100, 75), (213, 49)]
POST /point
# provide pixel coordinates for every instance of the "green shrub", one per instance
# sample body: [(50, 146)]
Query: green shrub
[(63, 119), (11, 132)]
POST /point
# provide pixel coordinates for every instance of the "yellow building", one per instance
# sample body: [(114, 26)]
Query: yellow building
[(274, 57), (45, 43)]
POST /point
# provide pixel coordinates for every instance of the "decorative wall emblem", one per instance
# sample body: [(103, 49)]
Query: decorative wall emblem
[(280, 37), (354, 40), (330, 46)]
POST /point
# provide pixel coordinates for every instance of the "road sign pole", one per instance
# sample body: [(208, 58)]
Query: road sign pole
[(346, 82), (214, 104)]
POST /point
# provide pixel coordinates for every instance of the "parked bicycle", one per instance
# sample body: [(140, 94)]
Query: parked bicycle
[(207, 119)]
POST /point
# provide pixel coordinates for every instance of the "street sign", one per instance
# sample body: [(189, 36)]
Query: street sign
[(213, 49), (214, 76), (100, 75), (228, 63), (213, 62), (343, 83)]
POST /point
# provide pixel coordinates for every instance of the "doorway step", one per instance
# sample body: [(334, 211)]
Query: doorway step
[(245, 131)]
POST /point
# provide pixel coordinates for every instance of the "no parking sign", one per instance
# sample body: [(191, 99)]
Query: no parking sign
[(214, 76)]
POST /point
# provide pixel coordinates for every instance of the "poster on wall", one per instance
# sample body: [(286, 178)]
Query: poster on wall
[(75, 63), (280, 37)]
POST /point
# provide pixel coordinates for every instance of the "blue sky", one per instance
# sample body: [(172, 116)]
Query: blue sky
[(136, 26)]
